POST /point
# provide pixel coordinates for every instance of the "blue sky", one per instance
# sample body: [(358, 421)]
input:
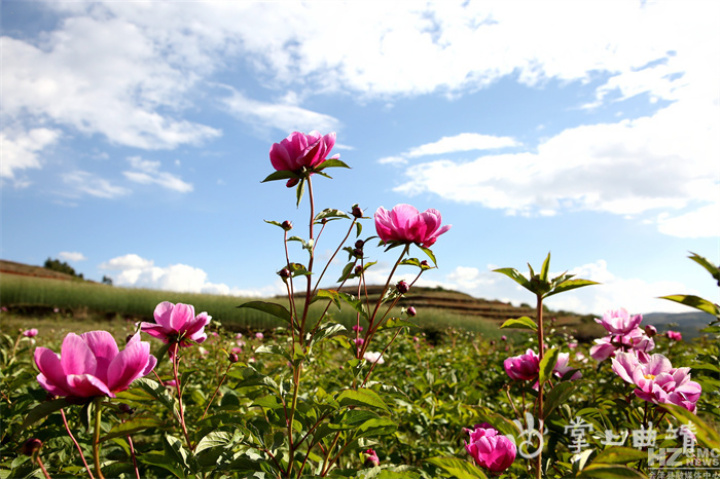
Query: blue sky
[(135, 137)]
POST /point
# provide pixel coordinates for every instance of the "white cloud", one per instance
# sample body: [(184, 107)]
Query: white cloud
[(701, 223), (393, 160), (148, 172), (83, 182), (663, 163), (462, 142), (71, 256), (20, 149), (285, 117), (134, 271)]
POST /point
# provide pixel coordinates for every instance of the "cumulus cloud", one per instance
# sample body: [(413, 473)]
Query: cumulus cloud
[(20, 149), (86, 183), (135, 271), (285, 117), (148, 172), (462, 142), (71, 256)]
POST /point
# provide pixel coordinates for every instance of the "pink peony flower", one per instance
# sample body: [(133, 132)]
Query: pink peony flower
[(259, 336), (674, 335), (656, 380), (619, 321), (301, 151), (405, 224), (30, 333), (359, 341), (357, 328), (411, 311), (91, 365), (562, 367), (491, 450), (177, 324), (525, 367), (635, 339)]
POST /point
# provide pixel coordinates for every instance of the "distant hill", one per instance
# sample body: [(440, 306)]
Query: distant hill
[(12, 267)]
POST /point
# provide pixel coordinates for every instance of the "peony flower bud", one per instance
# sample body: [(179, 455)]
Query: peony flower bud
[(233, 358), (31, 445), (411, 311), (490, 449), (402, 287), (357, 212), (287, 225)]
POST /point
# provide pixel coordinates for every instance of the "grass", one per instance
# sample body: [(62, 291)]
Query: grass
[(48, 300)]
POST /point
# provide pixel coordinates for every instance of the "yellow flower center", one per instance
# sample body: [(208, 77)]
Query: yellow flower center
[(650, 376)]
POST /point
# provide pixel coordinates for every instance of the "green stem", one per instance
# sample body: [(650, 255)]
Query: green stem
[(96, 437), (541, 354)]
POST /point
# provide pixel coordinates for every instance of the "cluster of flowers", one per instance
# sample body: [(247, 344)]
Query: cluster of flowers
[(656, 380), (526, 367), (92, 365)]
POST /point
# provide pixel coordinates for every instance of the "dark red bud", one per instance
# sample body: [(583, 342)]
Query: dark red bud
[(424, 263), (286, 225), (359, 244), (233, 358), (411, 311), (402, 287), (284, 273), (292, 182), (31, 445), (358, 270), (357, 212)]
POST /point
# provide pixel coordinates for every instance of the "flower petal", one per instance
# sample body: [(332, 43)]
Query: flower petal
[(128, 365), (76, 356), (87, 385)]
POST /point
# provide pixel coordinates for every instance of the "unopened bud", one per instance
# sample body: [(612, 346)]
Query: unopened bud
[(125, 408), (424, 263), (356, 211), (358, 252), (31, 445), (287, 225), (402, 287), (359, 244), (233, 357), (650, 330), (292, 182), (284, 273), (358, 270), (411, 311)]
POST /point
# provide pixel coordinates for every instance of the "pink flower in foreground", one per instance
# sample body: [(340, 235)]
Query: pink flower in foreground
[(525, 367), (301, 151), (674, 335), (657, 381), (491, 450), (30, 333), (177, 324), (91, 365), (619, 321), (405, 224)]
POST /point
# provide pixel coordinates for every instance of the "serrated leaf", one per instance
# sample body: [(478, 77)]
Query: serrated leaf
[(547, 365), (523, 322), (457, 468), (277, 310), (361, 397)]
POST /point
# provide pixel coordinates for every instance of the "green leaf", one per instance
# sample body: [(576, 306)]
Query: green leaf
[(300, 190), (157, 391), (361, 397), (429, 254), (214, 439), (545, 269), (354, 302), (274, 309), (711, 268), (457, 468), (523, 322), (280, 175), (695, 302), (394, 323), (375, 427), (557, 396), (548, 364), (620, 455), (570, 284), (607, 471), (326, 331), (331, 163), (330, 213), (332, 294), (703, 431), (160, 459), (43, 410), (174, 447), (515, 275), (131, 427)]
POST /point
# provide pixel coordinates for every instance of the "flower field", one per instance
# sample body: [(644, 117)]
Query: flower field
[(371, 396)]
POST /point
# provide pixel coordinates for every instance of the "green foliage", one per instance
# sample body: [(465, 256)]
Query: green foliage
[(61, 267)]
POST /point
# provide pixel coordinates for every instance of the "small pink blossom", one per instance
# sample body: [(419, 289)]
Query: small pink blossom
[(405, 224), (236, 350), (490, 449), (562, 367), (371, 458), (357, 328), (525, 367), (259, 336), (177, 324), (411, 311), (359, 341), (674, 335), (91, 365), (30, 333), (374, 357), (238, 336)]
